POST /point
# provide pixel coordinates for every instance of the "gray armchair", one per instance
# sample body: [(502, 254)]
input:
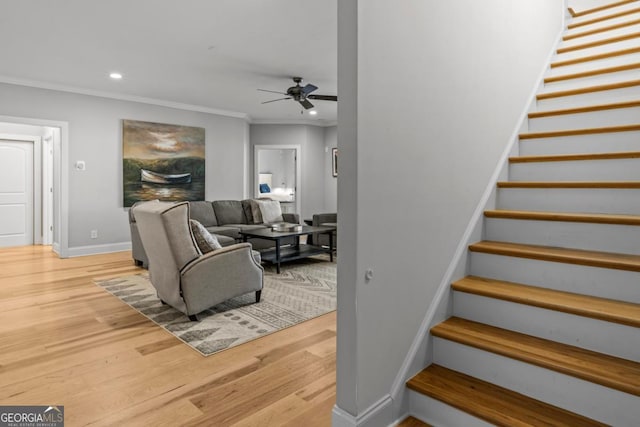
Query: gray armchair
[(137, 250), (329, 219), (182, 276)]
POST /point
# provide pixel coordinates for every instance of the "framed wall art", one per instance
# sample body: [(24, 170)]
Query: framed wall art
[(334, 162), (162, 161)]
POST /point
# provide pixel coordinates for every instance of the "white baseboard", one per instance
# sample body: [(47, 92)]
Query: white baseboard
[(98, 249), (380, 414)]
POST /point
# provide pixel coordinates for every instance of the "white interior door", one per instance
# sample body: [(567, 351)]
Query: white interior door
[(16, 193)]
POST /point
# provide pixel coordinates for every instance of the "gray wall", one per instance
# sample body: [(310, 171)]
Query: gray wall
[(311, 140), (95, 136), (431, 93)]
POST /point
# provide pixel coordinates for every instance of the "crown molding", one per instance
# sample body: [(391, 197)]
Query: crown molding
[(305, 122), (122, 97)]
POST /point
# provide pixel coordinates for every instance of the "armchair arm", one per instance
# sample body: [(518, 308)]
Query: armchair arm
[(219, 275), (319, 219), (292, 218)]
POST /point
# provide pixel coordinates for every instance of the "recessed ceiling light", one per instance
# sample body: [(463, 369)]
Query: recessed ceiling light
[(313, 112), (115, 76)]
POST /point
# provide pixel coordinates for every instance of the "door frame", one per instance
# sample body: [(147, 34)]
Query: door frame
[(61, 176)]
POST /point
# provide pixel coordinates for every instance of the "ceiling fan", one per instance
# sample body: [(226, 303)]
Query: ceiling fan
[(301, 94)]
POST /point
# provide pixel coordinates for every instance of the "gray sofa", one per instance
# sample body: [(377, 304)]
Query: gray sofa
[(182, 276), (222, 218)]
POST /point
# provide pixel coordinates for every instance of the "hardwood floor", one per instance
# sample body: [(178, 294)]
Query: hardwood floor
[(65, 341)]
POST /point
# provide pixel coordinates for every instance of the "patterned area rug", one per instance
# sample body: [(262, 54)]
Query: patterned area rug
[(304, 290)]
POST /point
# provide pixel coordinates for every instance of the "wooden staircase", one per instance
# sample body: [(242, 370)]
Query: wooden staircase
[(545, 330)]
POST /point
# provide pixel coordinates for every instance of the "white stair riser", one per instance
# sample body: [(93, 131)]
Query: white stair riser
[(573, 394), (437, 413), (581, 170), (597, 335), (576, 235), (602, 118), (604, 13), (630, 29), (602, 24), (588, 200), (600, 79), (590, 98), (614, 284), (596, 143), (581, 52), (596, 64)]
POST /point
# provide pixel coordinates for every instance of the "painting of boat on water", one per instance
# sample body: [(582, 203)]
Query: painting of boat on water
[(162, 161)]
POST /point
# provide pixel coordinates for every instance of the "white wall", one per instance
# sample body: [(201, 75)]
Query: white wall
[(438, 88), (311, 140), (95, 136)]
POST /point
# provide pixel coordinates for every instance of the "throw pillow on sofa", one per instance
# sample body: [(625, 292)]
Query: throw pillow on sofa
[(267, 212), (205, 241)]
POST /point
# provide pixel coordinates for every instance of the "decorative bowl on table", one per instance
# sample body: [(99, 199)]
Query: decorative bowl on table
[(284, 226)]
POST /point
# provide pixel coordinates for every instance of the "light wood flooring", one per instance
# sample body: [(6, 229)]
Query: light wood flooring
[(65, 341)]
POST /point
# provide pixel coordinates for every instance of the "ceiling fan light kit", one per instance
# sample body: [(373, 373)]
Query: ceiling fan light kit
[(301, 94)]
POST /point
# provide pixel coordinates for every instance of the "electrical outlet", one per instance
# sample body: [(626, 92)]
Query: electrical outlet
[(94, 234)]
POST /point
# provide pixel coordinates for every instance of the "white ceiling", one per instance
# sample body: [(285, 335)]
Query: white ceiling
[(209, 54)]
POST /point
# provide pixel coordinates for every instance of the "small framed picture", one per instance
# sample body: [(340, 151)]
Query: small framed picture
[(334, 163)]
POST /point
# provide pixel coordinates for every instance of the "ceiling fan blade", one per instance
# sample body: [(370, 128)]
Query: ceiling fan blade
[(308, 89), (272, 91), (274, 100), (306, 104), (324, 97)]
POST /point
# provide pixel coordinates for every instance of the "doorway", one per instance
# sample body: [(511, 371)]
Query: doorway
[(27, 184), (277, 175)]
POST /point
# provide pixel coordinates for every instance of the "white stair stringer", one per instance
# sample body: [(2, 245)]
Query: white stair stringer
[(595, 401)]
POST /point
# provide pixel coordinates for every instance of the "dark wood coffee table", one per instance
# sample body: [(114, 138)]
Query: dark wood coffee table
[(289, 253)]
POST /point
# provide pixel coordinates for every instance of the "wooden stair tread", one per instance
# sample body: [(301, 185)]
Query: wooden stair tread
[(564, 255), (601, 8), (621, 312), (602, 18), (601, 29), (587, 109), (575, 157), (595, 218), (609, 371), (597, 57), (570, 184), (594, 72), (585, 131), (413, 422), (596, 43), (588, 89), (492, 403)]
